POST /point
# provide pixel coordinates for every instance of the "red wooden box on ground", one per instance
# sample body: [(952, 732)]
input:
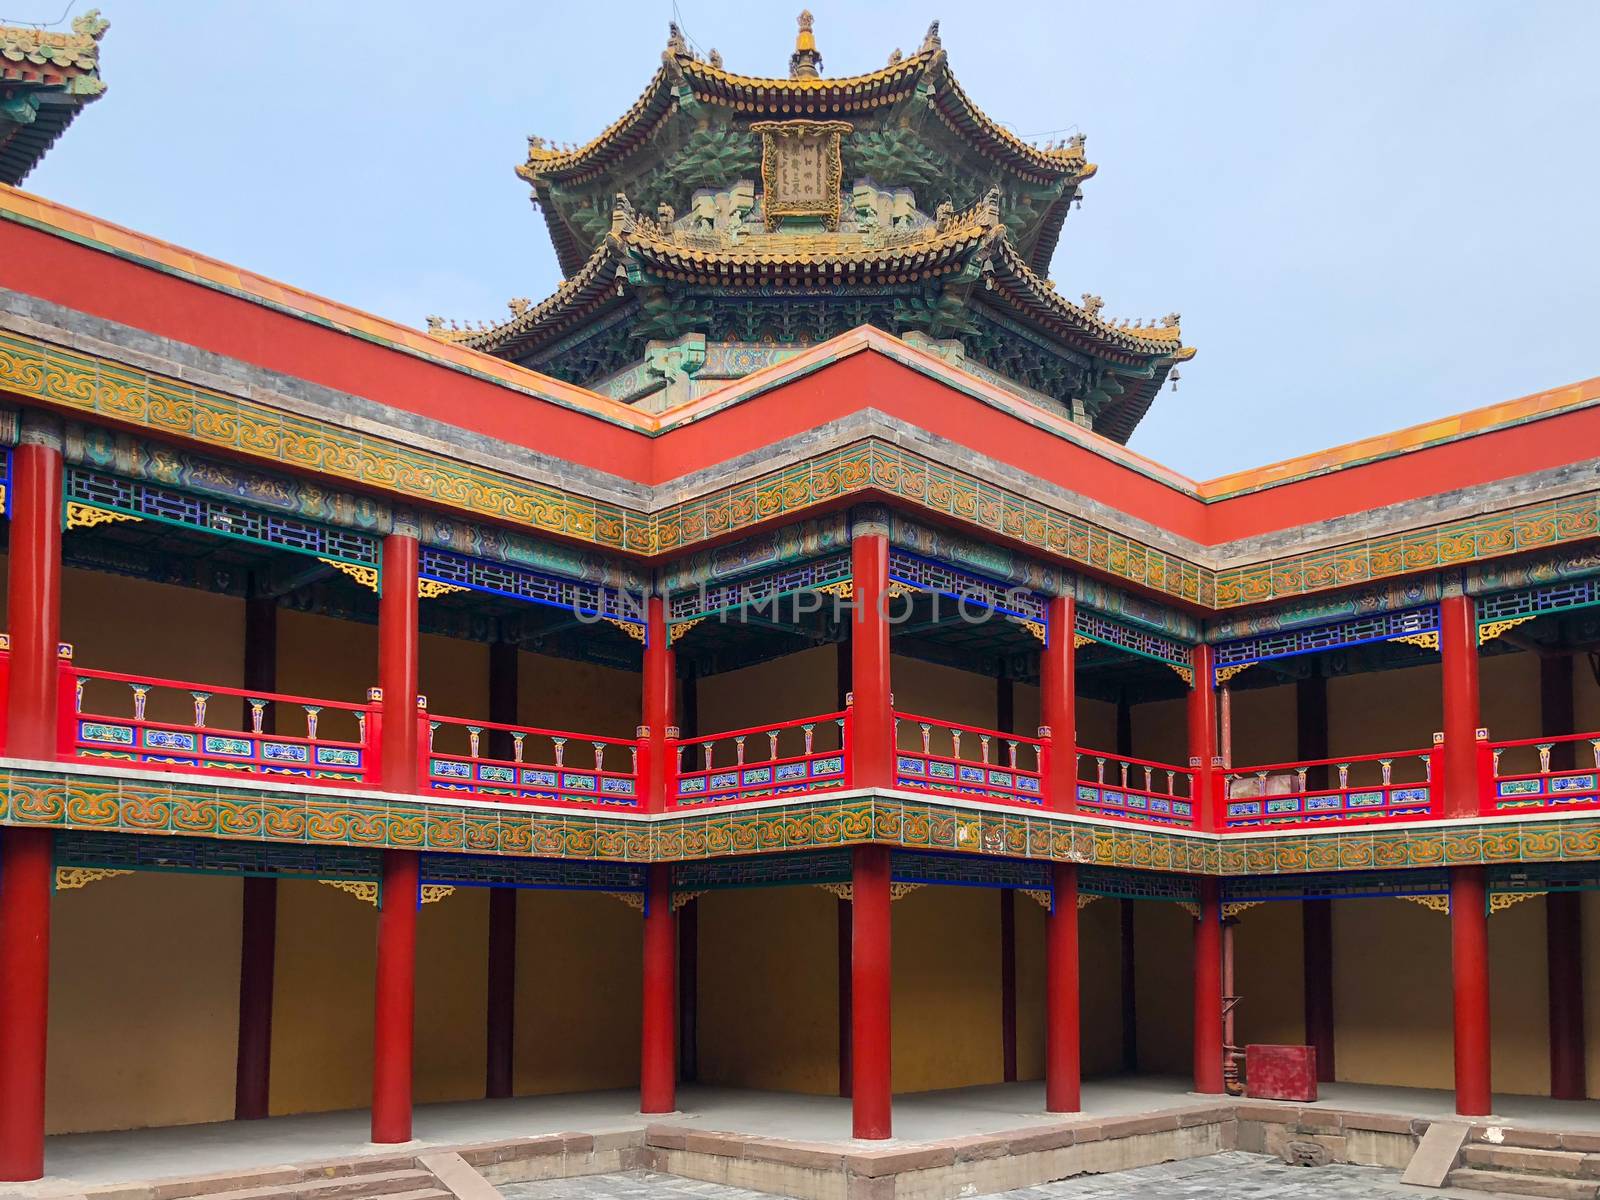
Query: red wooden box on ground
[(1280, 1072)]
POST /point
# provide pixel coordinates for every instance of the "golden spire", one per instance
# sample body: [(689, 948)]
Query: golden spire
[(805, 62)]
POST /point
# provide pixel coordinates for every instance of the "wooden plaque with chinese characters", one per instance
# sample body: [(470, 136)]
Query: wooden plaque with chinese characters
[(801, 169)]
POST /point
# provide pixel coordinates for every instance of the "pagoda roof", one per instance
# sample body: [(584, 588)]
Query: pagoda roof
[(684, 78), (963, 247), (46, 77)]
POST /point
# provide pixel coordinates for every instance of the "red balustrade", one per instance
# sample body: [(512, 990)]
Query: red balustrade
[(1548, 774), (169, 724), (781, 759), (950, 758), (1359, 788), (1139, 790), (545, 766)]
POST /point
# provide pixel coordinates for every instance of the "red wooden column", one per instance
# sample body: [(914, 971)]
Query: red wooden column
[(1458, 647), (500, 1006), (1058, 701), (1469, 972), (27, 856), (658, 1042), (257, 952), (394, 1010), (396, 997), (34, 597), (1208, 988), (1563, 915), (1061, 1027), (657, 707), (398, 647), (1203, 738), (871, 1084), (871, 712)]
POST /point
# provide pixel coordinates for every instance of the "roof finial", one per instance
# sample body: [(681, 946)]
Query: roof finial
[(931, 41), (675, 39), (805, 62)]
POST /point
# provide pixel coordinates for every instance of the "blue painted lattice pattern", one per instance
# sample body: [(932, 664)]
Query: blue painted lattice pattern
[(967, 870), (1376, 627), (205, 513), (137, 852), (755, 591), (945, 580), (5, 480), (1530, 602), (766, 870), (1135, 641), (519, 583), (1350, 885), (1135, 885), (472, 870)]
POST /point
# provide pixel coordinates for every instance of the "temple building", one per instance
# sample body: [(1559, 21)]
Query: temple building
[(761, 666)]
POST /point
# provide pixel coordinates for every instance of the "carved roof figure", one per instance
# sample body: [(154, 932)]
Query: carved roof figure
[(46, 77)]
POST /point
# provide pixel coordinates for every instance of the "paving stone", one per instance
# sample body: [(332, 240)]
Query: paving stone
[(1232, 1175)]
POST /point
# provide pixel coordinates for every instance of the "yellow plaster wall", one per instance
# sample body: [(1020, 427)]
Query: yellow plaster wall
[(144, 1003), (944, 693), (1031, 918), (558, 693), (1384, 710), (1508, 694), (946, 989), (129, 625), (768, 989), (326, 659), (1264, 725), (1269, 975), (453, 674), (452, 997), (1160, 731), (1519, 1000), (781, 689), (322, 999), (1163, 938), (1097, 724), (578, 986), (1100, 986)]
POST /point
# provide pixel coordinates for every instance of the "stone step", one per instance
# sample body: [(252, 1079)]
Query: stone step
[(1531, 1161), (358, 1186), (1517, 1183)]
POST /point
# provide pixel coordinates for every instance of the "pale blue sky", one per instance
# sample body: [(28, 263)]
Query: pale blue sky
[(1369, 214)]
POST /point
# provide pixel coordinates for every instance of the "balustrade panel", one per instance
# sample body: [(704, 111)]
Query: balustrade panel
[(782, 759), (547, 766), (1137, 790), (134, 719), (1529, 775), (966, 760), (1358, 789)]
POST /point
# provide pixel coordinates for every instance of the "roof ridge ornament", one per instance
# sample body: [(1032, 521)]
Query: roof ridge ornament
[(805, 62), (931, 42)]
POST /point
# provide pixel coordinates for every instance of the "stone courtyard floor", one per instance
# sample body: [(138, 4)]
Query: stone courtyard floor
[(1231, 1175)]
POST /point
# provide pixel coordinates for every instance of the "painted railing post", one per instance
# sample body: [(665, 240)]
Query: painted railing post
[(1458, 647), (27, 856), (657, 707), (1203, 761), (66, 703), (871, 705), (1058, 701), (1483, 770)]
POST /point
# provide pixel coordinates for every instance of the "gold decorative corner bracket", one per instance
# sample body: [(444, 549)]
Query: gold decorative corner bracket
[(678, 628), (1234, 907), (70, 878), (1438, 904), (1226, 673), (1080, 640), (432, 589), (679, 899), (631, 899), (1040, 896), (1428, 641), (1490, 630), (1190, 907), (87, 516), (842, 890), (432, 893), (1036, 628), (1500, 901), (366, 576), (364, 890), (631, 628), (845, 589), (898, 588), (1184, 673), (899, 891), (1087, 898)]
